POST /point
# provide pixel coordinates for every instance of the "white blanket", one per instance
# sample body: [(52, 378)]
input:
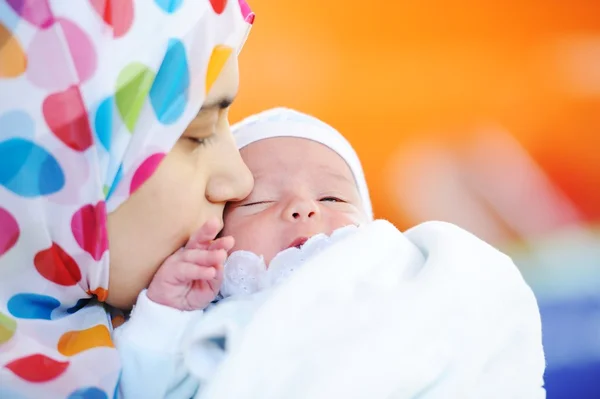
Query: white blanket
[(431, 313)]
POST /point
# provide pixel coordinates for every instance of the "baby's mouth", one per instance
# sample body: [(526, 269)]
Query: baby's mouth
[(298, 242)]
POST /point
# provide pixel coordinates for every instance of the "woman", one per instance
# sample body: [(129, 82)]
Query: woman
[(94, 100)]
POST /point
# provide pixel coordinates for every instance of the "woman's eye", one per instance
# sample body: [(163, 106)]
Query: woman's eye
[(331, 199), (198, 140)]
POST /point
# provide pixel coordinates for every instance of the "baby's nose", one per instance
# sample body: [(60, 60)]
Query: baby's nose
[(302, 209)]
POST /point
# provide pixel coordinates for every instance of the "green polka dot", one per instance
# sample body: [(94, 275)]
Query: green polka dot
[(133, 85), (7, 328), (106, 189)]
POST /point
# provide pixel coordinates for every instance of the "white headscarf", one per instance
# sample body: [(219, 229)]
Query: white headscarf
[(284, 122)]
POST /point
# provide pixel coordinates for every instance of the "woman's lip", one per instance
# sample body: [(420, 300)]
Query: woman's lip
[(298, 242)]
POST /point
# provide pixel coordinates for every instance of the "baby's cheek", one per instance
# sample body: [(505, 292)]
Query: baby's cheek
[(254, 238), (340, 220)]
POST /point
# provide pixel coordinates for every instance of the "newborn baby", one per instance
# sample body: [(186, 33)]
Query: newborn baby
[(308, 182)]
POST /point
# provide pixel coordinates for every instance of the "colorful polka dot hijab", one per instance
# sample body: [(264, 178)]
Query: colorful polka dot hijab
[(93, 94)]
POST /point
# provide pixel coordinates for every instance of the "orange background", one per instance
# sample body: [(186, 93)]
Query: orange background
[(412, 85)]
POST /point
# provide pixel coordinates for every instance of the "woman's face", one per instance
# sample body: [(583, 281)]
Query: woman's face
[(202, 172)]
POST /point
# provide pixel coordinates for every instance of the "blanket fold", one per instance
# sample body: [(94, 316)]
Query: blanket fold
[(431, 313)]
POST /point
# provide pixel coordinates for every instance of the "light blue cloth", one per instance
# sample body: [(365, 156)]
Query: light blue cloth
[(149, 344)]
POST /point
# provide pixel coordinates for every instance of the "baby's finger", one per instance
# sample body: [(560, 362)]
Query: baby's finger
[(186, 272), (204, 235), (219, 273), (225, 243), (204, 257)]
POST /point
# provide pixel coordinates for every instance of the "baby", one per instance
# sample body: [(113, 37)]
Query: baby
[(308, 183)]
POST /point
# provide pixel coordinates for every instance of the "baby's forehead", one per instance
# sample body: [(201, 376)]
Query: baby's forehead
[(284, 155)]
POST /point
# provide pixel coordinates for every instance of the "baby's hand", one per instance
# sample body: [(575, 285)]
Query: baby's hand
[(191, 278)]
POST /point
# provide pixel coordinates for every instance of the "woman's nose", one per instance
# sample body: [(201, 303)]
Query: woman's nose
[(232, 181), (242, 180)]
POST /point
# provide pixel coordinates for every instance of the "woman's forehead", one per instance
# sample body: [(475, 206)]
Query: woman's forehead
[(226, 85)]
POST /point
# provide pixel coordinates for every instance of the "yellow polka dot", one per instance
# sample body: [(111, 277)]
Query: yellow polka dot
[(101, 293), (74, 342), (13, 61), (7, 328), (218, 58), (117, 321)]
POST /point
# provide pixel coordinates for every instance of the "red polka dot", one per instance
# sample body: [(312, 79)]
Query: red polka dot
[(37, 368), (67, 118), (88, 225), (218, 5), (9, 233), (119, 17), (145, 170), (55, 265)]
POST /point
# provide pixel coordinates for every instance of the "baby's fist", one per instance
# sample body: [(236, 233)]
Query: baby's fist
[(191, 278)]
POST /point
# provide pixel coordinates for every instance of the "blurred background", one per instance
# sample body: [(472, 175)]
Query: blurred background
[(484, 114)]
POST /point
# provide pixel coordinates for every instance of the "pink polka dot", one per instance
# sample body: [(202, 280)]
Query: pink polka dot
[(55, 265), (119, 17), (88, 225), (37, 368), (145, 170), (9, 233), (67, 117), (246, 12), (53, 60), (36, 12)]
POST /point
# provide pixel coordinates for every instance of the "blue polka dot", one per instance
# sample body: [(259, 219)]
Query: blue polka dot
[(32, 306), (17, 123), (28, 170), (9, 18), (169, 6), (116, 392), (103, 122), (169, 92), (79, 305), (88, 393), (6, 392), (115, 182)]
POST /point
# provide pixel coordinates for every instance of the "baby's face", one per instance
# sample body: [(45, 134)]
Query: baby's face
[(301, 188)]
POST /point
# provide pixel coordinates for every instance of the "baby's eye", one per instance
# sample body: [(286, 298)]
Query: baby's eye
[(255, 203), (331, 199)]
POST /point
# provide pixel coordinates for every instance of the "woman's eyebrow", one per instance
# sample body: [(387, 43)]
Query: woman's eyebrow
[(222, 103)]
